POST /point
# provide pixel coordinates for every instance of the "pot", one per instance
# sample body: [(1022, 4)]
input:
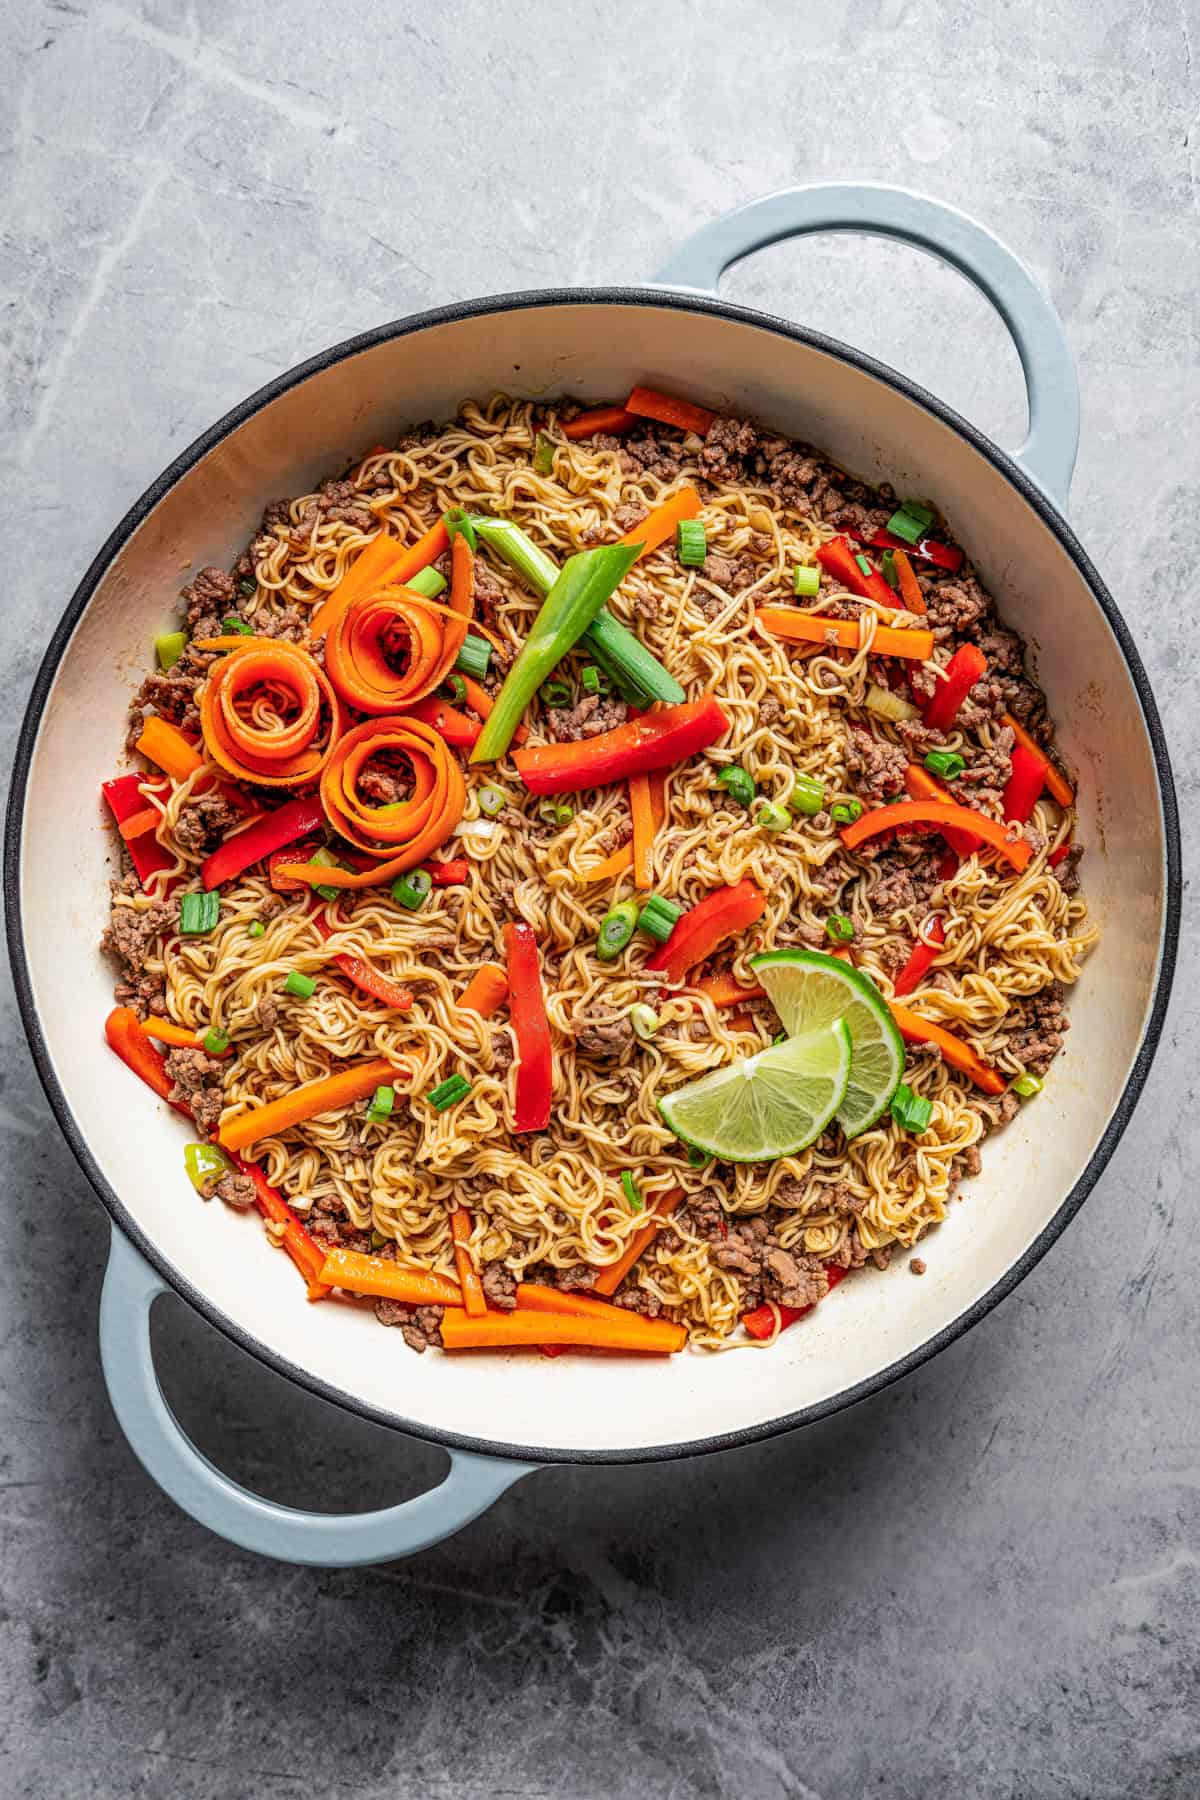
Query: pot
[(502, 1417)]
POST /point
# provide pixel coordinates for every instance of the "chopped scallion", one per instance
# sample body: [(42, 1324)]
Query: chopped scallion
[(906, 525), (198, 913), (738, 783), (616, 929), (248, 587), (328, 860), (911, 1111), (691, 543), (1027, 1086), (556, 812), (382, 1102), (808, 796), (449, 1092), (256, 929), (644, 1019), (697, 1158), (301, 987), (840, 928), (771, 817), (215, 1042), (946, 763), (492, 800), (457, 687), (555, 693), (235, 627), (474, 657), (632, 1197), (169, 648), (458, 520), (412, 890), (427, 581), (846, 811), (543, 455), (806, 580), (864, 563), (659, 917), (887, 568), (916, 509), (592, 679)]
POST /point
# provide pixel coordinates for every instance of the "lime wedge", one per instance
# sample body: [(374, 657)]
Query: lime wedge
[(809, 991), (764, 1106)]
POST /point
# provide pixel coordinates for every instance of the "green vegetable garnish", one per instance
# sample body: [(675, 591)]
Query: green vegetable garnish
[(633, 1198), (236, 627), (205, 1165), (946, 763), (738, 782), (616, 929), (449, 1092), (458, 520), (198, 913), (846, 811), (644, 1019), (1027, 1086), (382, 1101), (492, 800), (839, 928), (215, 1042), (427, 581), (543, 455), (256, 929), (808, 796), (773, 818), (555, 694), (659, 917), (169, 648), (910, 1111), (301, 987), (806, 580), (412, 890), (691, 543), (474, 657)]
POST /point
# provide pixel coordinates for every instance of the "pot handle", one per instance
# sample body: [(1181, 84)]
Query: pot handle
[(329, 1540), (1048, 453)]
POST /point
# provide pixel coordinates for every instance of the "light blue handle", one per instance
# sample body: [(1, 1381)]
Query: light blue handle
[(331, 1540), (1048, 453)]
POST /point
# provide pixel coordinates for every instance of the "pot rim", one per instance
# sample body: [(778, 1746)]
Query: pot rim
[(671, 300)]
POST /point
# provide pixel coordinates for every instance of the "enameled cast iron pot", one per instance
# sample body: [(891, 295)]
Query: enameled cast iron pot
[(502, 1417)]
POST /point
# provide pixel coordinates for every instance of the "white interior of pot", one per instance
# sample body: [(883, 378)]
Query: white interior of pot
[(594, 352)]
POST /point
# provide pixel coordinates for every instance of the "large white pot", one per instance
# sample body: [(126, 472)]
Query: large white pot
[(589, 343)]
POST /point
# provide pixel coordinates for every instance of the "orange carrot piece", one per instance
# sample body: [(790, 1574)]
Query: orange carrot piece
[(1057, 785), (956, 1051), (819, 628), (486, 991), (481, 702), (308, 1101), (910, 587), (532, 1296), (622, 859), (610, 1278), (168, 1032), (648, 403), (378, 1275), (643, 831), (530, 1330), (305, 1252), (727, 990), (139, 823), (468, 1275), (660, 525), (163, 743), (611, 420), (383, 560), (743, 1021)]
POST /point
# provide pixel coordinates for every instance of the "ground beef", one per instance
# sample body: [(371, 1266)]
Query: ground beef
[(765, 1270), (1067, 871), (954, 606), (499, 1286), (130, 934), (210, 596), (1027, 704), (235, 1190), (874, 765), (904, 881), (1006, 1108), (289, 623), (983, 780), (173, 695), (733, 573), (196, 1082), (654, 453), (917, 1265), (919, 739), (267, 1012), (379, 783), (202, 824), (722, 456), (592, 715), (502, 1052), (420, 1327), (603, 1035), (147, 994), (798, 930), (1038, 1026), (340, 502), (489, 595), (982, 706), (329, 1221), (853, 1253), (769, 711), (627, 517), (638, 1300), (793, 1280), (704, 1216)]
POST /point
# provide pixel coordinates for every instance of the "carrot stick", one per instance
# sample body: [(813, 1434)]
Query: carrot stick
[(533, 1296), (818, 628), (648, 403), (610, 1278), (328, 1094), (643, 831), (727, 990), (139, 823), (956, 1051), (660, 525), (163, 743), (530, 1330), (378, 1275), (486, 991), (910, 587), (468, 1276), (743, 1021), (481, 702), (1057, 785), (383, 560), (622, 859), (168, 1032), (611, 420)]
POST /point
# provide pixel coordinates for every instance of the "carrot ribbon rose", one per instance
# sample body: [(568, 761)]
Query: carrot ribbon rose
[(269, 715)]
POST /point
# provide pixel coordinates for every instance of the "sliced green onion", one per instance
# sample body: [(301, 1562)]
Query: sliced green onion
[(591, 679), (555, 693), (946, 763), (839, 928), (198, 913), (205, 1165), (888, 569), (457, 687), (557, 812), (697, 1158), (517, 549), (691, 543), (806, 580), (644, 1019), (302, 987), (235, 627), (808, 796), (633, 1199), (449, 1092), (492, 800), (887, 705), (638, 674), (412, 890), (864, 563), (427, 581), (328, 860), (846, 811), (659, 917), (377, 1239), (906, 525), (474, 657), (169, 648), (215, 1042), (543, 455), (738, 783), (772, 818), (910, 1111), (382, 1102), (456, 520), (916, 509), (1027, 1086), (248, 587), (616, 929), (779, 1038), (256, 929)]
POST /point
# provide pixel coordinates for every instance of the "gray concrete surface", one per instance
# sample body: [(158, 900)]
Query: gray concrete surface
[(984, 1582)]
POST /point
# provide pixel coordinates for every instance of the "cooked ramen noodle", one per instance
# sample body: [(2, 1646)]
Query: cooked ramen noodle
[(436, 923)]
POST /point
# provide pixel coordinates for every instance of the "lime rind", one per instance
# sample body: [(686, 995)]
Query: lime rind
[(765, 1106), (808, 990)]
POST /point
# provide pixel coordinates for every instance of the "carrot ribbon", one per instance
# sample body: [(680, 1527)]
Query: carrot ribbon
[(269, 715), (845, 634), (328, 1094)]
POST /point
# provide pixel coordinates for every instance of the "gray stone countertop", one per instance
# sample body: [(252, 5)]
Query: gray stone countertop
[(985, 1580)]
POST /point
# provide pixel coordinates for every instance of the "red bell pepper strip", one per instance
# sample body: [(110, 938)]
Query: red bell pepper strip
[(761, 1322), (942, 556), (363, 975), (1057, 785), (128, 1037), (922, 785), (295, 819), (611, 420), (1025, 784), (458, 730), (527, 1011), (448, 874), (280, 859), (947, 869), (1060, 855), (653, 741), (922, 959), (839, 560), (719, 915), (125, 800), (937, 814), (967, 666)]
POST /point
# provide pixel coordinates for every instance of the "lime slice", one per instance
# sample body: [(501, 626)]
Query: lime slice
[(809, 991), (764, 1106)]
